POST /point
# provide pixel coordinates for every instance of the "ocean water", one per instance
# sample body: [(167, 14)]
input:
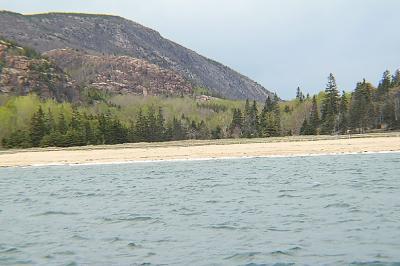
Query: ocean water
[(320, 210)]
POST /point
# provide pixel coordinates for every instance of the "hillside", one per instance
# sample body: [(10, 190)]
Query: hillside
[(113, 35), (119, 74), (23, 71)]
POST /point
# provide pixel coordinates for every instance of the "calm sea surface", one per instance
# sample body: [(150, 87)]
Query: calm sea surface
[(330, 210)]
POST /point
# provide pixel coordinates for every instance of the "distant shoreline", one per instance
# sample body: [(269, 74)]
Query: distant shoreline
[(203, 150)]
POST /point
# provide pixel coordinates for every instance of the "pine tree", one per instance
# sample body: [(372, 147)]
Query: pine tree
[(217, 133), (299, 95), (62, 124), (396, 78), (361, 108), (236, 125), (304, 127), (151, 125), (76, 120), (49, 122), (160, 128), (141, 126), (38, 127), (330, 106), (314, 117), (89, 133), (203, 132), (384, 84), (343, 113), (270, 124)]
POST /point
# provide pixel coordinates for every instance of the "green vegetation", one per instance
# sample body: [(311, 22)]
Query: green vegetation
[(102, 118), (366, 108)]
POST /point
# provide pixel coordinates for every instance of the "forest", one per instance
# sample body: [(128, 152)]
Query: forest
[(101, 118)]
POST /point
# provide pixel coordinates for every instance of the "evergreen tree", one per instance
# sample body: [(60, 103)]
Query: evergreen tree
[(330, 106), (236, 125), (178, 132), (250, 123), (38, 127), (396, 78), (141, 126), (151, 129), (49, 122), (160, 128), (314, 117), (343, 113), (217, 133), (18, 139), (361, 107), (89, 132), (384, 84), (269, 124), (299, 95), (76, 120), (203, 132), (62, 123), (304, 127)]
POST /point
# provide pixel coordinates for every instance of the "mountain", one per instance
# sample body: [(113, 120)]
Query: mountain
[(116, 36), (22, 71), (119, 74)]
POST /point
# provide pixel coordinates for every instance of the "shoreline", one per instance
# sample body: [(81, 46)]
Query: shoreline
[(199, 150), (206, 159)]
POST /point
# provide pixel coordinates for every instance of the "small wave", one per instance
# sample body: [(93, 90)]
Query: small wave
[(66, 252), (279, 253), (286, 190), (375, 263), (133, 245), (273, 229), (127, 219), (244, 255), (78, 237), (56, 213), (288, 196), (9, 250), (328, 195), (136, 219), (226, 227), (337, 205)]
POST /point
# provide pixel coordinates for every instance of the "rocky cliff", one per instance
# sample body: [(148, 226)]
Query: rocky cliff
[(119, 74), (111, 35), (23, 71)]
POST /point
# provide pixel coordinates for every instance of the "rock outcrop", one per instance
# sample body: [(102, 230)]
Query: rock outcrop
[(119, 74), (22, 72)]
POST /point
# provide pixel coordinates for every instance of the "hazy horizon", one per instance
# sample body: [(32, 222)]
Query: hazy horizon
[(279, 44)]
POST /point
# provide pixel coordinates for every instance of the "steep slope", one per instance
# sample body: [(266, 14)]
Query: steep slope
[(119, 74), (117, 36), (23, 71)]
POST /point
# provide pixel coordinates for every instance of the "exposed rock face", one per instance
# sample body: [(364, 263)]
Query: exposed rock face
[(119, 74), (117, 36), (21, 74)]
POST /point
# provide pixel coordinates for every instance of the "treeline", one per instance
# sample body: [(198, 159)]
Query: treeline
[(366, 108), (250, 123), (47, 131), (130, 119)]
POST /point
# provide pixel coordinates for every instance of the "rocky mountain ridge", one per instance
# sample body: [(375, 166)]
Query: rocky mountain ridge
[(112, 35)]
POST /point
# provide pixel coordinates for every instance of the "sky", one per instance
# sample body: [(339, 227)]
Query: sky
[(281, 44)]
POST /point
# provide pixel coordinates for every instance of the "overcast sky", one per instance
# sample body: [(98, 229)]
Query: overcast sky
[(281, 44)]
